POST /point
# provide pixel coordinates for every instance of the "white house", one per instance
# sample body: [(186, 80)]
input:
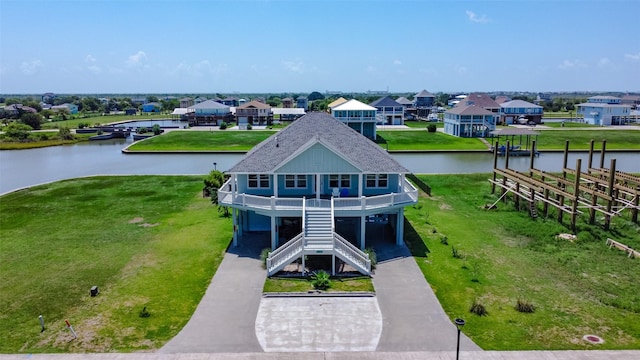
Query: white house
[(358, 116), (604, 111)]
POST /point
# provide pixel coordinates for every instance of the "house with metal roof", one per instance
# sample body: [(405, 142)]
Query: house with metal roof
[(469, 121), (520, 111), (320, 189), (208, 113), (336, 102), (605, 111), (389, 111), (253, 112), (358, 116)]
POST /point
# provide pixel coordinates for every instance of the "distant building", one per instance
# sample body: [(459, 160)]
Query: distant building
[(253, 112), (48, 97), (186, 102), (502, 99), (302, 102), (151, 107), (631, 100), (208, 112), (358, 116), (287, 103), (70, 108), (422, 102), (336, 102), (605, 111), (389, 112), (515, 111), (469, 121), (482, 100), (231, 101)]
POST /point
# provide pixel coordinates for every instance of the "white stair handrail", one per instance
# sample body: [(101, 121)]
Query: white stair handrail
[(304, 215), (284, 254), (348, 252), (333, 223)]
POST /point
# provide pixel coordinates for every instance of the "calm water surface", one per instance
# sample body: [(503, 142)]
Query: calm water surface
[(23, 168)]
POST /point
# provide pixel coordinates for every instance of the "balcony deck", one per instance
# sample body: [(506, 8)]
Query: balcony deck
[(408, 196)]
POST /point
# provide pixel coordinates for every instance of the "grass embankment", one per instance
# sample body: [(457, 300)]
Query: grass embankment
[(580, 139), (38, 140), (146, 241), (203, 141), (101, 120), (568, 124), (577, 288), (424, 140), (275, 284)]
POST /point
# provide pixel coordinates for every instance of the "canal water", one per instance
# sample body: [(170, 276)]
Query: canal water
[(23, 168)]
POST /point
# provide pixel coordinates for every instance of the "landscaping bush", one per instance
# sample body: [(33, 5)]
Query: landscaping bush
[(141, 130), (372, 257), (144, 313), (431, 128), (249, 127), (156, 129), (456, 253), (525, 306), (321, 280), (264, 254), (223, 125), (64, 133), (444, 240), (478, 308)]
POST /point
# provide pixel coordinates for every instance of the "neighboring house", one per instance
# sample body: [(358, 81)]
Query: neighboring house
[(253, 112), (389, 111), (469, 121), (358, 116), (319, 188), (138, 100), (336, 102), (404, 102), (605, 111), (130, 111), (484, 101), (287, 103), (422, 102), (515, 111), (302, 102), (287, 114), (48, 97), (186, 102), (231, 101), (631, 100), (208, 112), (151, 107), (70, 108), (18, 109), (199, 99), (502, 99), (456, 99)]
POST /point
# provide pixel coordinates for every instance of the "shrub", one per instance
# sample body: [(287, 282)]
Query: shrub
[(144, 313), (223, 125), (321, 280), (17, 131), (478, 308), (456, 253), (81, 125), (264, 254), (141, 130), (525, 306), (64, 133), (444, 240), (431, 128), (372, 257), (156, 129), (249, 127)]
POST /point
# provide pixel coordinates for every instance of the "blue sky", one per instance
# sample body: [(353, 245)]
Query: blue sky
[(225, 46)]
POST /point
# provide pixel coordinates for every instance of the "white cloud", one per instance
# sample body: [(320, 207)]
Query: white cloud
[(295, 66), (137, 59), (371, 68), (632, 57), (604, 62), (575, 64), (89, 59), (473, 17), (397, 62), (94, 69), (30, 67)]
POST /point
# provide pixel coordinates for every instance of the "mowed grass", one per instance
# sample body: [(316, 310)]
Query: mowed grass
[(145, 241), (275, 285), (101, 119), (568, 124), (580, 139), (226, 140), (577, 288), (424, 140)]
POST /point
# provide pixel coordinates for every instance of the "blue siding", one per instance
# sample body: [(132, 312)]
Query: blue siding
[(317, 159)]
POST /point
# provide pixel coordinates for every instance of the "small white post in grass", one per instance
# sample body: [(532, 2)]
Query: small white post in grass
[(41, 323), (75, 336)]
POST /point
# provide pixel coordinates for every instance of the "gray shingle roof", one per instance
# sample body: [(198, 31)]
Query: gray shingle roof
[(404, 101), (479, 99), (469, 110), (209, 104), (318, 127), (423, 93), (385, 101)]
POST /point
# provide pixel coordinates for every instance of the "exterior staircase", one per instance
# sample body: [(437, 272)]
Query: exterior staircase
[(318, 236)]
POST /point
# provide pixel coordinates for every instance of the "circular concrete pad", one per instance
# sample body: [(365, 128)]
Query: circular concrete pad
[(318, 324)]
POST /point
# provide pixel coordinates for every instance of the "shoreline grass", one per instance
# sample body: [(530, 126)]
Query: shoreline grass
[(146, 241), (577, 288), (203, 141)]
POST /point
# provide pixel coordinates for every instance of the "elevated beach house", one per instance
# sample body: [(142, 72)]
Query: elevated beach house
[(253, 112), (389, 112), (320, 189), (358, 116), (208, 112), (605, 111), (469, 121)]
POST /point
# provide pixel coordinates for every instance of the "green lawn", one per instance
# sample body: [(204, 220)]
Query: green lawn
[(227, 140), (577, 288), (579, 139), (274, 284), (423, 124), (101, 119), (146, 241), (568, 124), (423, 140)]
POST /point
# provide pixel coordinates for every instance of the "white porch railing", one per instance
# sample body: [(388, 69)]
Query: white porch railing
[(408, 195), (285, 254), (351, 254)]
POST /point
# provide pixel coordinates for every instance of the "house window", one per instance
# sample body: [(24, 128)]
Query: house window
[(258, 181), (295, 181), (339, 181), (377, 180)]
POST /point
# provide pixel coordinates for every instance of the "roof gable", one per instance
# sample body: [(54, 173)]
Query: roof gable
[(519, 104), (385, 101), (354, 104), (209, 104), (253, 104), (424, 93), (337, 102), (274, 152), (469, 110), (479, 99), (316, 156)]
